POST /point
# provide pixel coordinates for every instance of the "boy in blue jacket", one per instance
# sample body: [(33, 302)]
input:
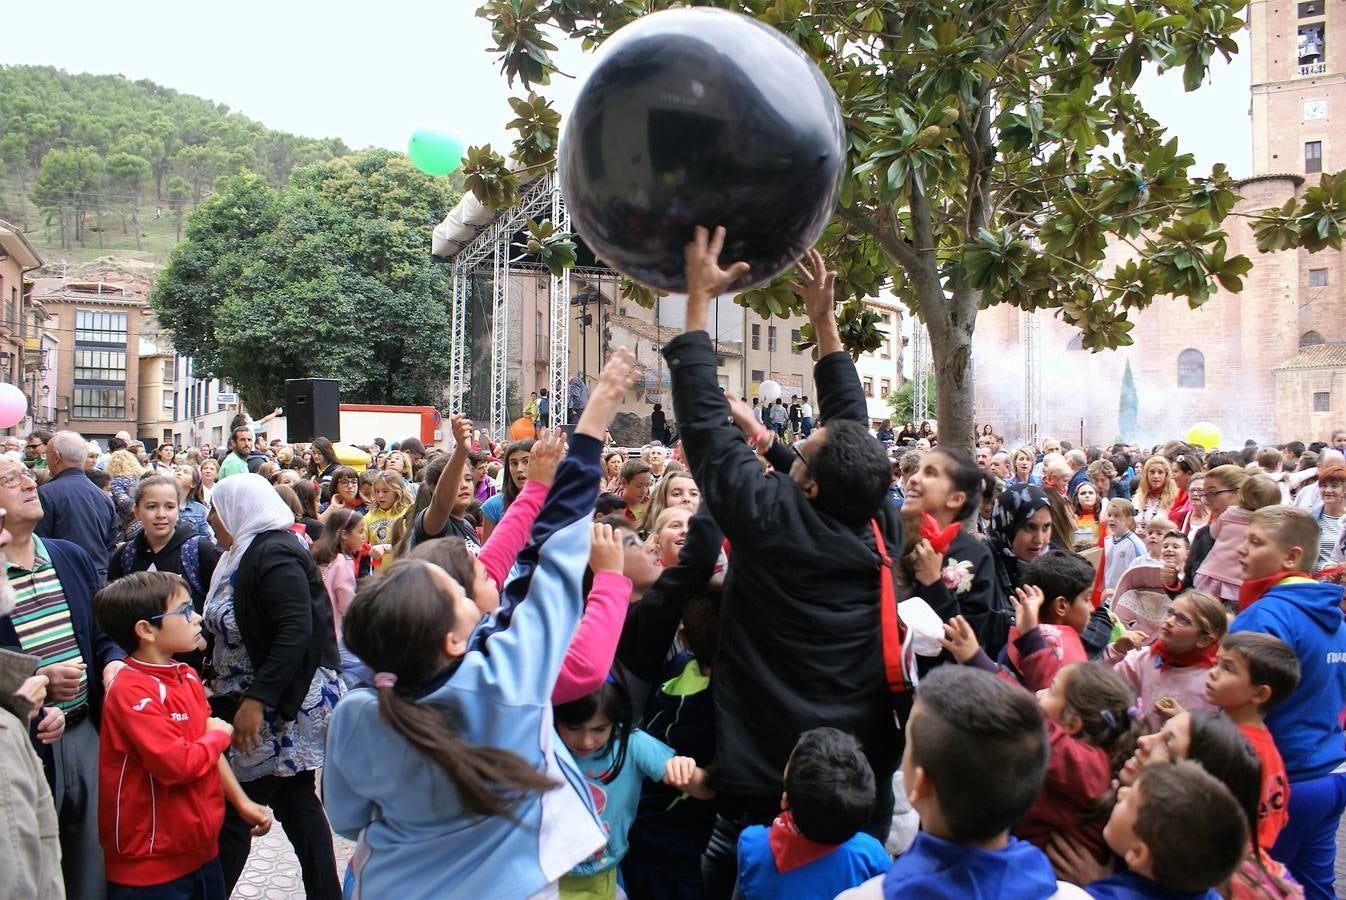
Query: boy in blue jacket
[(975, 759), (1278, 598), (815, 847)]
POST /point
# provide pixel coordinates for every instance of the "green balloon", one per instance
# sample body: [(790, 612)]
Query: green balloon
[(435, 152)]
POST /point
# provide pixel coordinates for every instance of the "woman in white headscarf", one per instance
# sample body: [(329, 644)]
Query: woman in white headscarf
[(275, 676)]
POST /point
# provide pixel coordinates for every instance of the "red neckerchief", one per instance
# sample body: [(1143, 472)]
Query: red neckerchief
[(1252, 589), (789, 848), (939, 539), (1200, 657)]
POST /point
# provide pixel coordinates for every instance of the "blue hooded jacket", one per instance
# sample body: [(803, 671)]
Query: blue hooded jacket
[(935, 869), (1130, 886), (1307, 725)]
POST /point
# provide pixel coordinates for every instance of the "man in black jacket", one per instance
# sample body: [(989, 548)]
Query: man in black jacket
[(800, 636)]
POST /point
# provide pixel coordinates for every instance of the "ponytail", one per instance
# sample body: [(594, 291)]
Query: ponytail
[(397, 625), (490, 781)]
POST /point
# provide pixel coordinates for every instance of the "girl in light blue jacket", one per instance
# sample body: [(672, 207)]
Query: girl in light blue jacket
[(448, 772)]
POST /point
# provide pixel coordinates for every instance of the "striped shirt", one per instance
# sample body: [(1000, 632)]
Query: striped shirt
[(41, 618)]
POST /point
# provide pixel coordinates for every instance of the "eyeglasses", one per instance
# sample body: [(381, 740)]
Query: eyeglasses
[(186, 611), (348, 481), (16, 479), (36, 446), (794, 448), (1178, 617), (1197, 495), (1210, 493)]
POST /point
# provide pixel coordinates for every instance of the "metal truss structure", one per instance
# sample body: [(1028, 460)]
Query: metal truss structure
[(920, 371), (1031, 332), (491, 254)]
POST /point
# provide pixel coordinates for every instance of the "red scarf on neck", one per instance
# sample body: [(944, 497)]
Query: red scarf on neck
[(1200, 657), (939, 539), (1252, 589), (789, 848)]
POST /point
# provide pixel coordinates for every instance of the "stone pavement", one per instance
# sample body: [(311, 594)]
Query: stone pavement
[(273, 872)]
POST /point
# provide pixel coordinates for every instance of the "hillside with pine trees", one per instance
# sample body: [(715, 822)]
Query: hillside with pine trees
[(98, 165)]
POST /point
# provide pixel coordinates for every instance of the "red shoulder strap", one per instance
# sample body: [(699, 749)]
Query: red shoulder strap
[(894, 631)]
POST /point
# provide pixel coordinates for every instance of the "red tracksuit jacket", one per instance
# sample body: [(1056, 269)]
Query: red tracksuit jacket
[(160, 803)]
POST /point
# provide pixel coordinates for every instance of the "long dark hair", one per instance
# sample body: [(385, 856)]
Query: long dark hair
[(1102, 700), (308, 498), (397, 624), (324, 446), (613, 701), (328, 545), (509, 488)]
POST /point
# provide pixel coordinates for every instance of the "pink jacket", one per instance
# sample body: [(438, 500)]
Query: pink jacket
[(1140, 669), (338, 576), (594, 645), (1220, 574)]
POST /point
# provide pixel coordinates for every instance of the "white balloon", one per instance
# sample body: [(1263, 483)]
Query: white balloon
[(769, 391)]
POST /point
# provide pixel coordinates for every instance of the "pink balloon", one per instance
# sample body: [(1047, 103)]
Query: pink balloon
[(13, 405)]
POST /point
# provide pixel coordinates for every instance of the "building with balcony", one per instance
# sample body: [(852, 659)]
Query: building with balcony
[(20, 349)]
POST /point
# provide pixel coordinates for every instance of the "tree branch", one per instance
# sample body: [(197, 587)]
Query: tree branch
[(889, 239)]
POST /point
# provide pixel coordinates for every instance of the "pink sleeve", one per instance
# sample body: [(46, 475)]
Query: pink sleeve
[(594, 645), (1129, 666), (344, 590), (510, 534)]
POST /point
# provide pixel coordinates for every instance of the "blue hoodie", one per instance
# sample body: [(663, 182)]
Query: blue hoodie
[(934, 869), (415, 838), (1130, 886), (1307, 725)]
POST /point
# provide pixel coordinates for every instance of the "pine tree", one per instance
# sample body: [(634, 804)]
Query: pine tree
[(1128, 408)]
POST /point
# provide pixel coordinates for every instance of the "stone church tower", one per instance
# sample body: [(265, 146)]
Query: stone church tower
[(1268, 363)]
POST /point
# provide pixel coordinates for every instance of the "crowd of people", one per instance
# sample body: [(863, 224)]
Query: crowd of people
[(778, 657)]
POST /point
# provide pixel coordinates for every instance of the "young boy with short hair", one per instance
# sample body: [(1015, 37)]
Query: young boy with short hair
[(1252, 675), (1123, 547), (1173, 562), (1278, 598), (815, 847), (1066, 582), (975, 759), (162, 777), (1180, 832)]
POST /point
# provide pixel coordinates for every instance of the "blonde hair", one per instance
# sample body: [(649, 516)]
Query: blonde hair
[(1211, 617), (390, 478), (1161, 524), (649, 521), (405, 470), (1228, 476), (1259, 491), (1290, 527), (122, 463), (1167, 493)]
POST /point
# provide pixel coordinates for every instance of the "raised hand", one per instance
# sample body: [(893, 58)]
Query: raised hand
[(616, 379), (1130, 640), (546, 456), (816, 287), (1027, 602), (741, 412), (959, 639), (705, 278), (605, 553), (461, 427)]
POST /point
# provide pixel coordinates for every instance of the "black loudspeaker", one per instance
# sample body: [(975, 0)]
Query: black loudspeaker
[(312, 409)]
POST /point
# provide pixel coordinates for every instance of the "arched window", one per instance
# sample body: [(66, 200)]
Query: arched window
[(1076, 343), (1309, 338), (1191, 369)]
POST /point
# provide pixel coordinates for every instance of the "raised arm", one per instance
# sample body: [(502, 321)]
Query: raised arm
[(446, 489), (510, 534)]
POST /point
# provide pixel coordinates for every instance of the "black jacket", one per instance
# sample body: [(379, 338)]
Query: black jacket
[(800, 641), (169, 559), (285, 620), (983, 604)]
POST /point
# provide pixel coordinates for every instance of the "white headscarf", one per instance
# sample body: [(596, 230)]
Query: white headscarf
[(247, 505)]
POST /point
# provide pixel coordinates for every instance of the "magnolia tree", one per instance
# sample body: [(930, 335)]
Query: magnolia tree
[(995, 150)]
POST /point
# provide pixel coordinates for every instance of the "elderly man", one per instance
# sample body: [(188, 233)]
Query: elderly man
[(984, 458), (1079, 464), (54, 582), (74, 509), (1000, 465)]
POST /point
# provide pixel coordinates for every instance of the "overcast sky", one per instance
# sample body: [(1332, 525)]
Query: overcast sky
[(371, 73)]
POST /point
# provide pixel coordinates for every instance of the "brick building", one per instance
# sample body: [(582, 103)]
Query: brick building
[(1254, 363)]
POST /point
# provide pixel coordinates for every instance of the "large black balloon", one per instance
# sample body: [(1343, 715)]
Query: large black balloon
[(701, 117)]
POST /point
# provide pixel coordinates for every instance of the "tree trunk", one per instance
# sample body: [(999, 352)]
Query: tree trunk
[(135, 221), (950, 321)]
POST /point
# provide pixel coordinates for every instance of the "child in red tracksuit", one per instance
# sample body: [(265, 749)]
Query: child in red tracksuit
[(162, 778)]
